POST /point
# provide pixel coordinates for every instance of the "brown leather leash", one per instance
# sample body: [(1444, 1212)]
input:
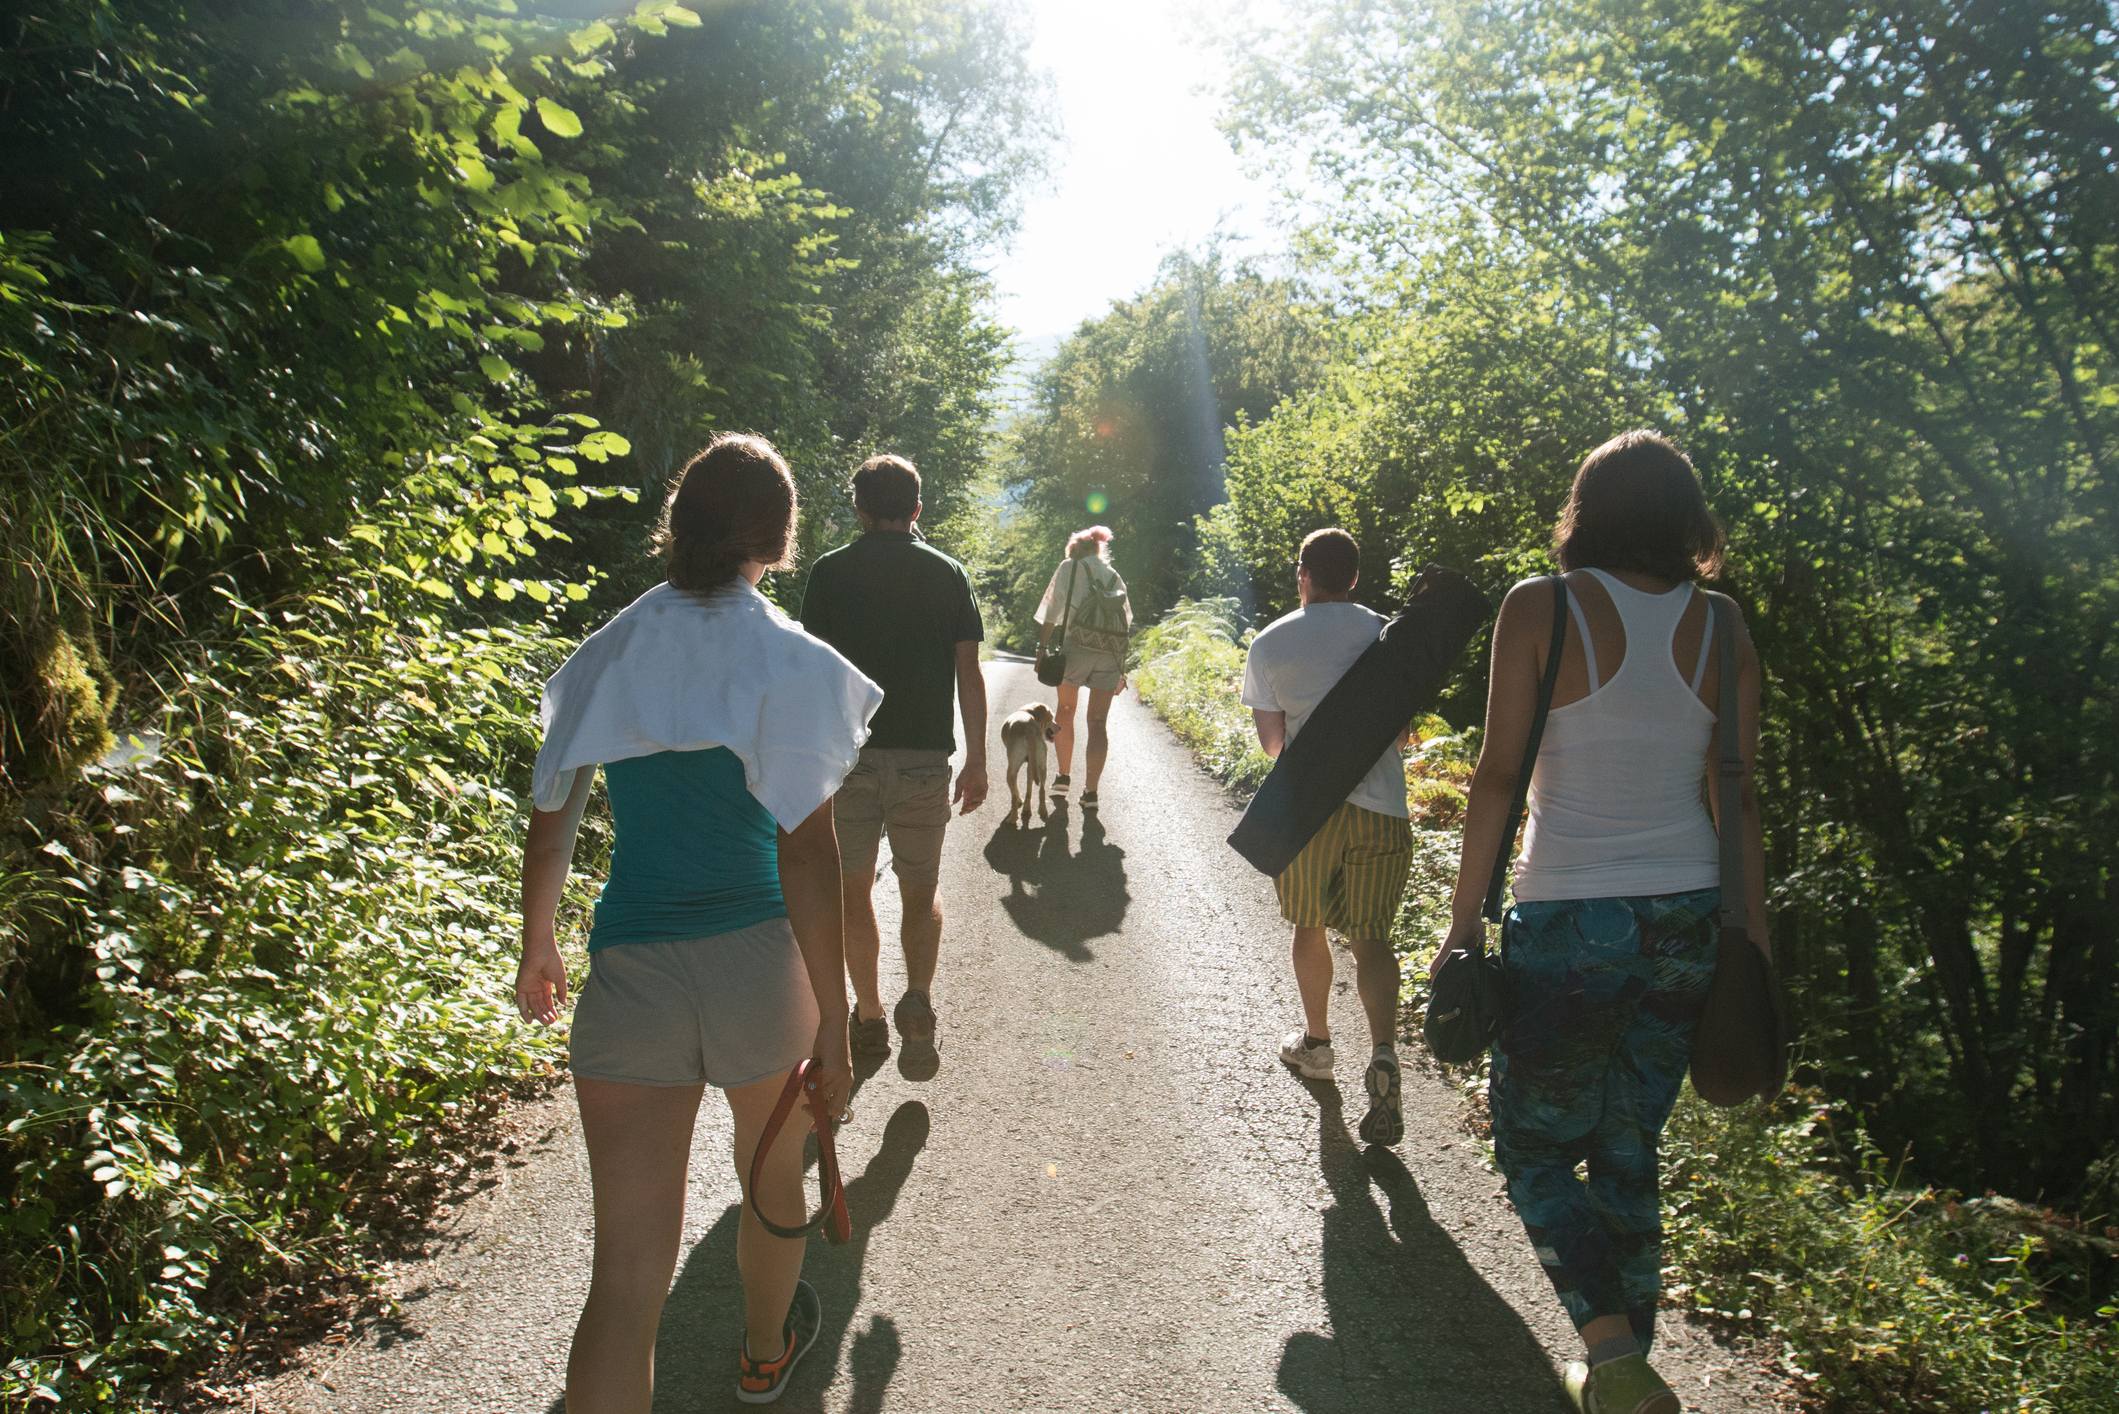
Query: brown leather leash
[(832, 1217)]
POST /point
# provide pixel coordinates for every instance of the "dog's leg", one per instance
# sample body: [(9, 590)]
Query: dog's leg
[(1018, 803)]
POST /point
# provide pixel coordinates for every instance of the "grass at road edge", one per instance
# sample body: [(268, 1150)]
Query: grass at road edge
[(1783, 1222)]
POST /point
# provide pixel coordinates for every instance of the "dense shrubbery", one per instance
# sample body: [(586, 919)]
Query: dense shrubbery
[(1784, 1223), (296, 919)]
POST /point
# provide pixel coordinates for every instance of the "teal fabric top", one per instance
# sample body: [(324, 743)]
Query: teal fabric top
[(696, 854)]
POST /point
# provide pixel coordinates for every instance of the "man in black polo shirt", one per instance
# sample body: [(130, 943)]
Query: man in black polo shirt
[(902, 612)]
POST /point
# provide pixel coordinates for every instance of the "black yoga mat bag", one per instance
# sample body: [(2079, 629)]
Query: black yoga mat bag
[(1395, 679)]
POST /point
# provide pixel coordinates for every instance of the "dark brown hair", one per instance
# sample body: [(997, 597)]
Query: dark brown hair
[(734, 503), (1637, 505), (887, 488), (1332, 558)]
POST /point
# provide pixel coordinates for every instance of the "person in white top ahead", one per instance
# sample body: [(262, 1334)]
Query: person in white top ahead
[(1086, 601), (1610, 944), (1351, 875)]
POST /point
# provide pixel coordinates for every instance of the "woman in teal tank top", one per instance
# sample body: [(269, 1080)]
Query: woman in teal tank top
[(716, 956)]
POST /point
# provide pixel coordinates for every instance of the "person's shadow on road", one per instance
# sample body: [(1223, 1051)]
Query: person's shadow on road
[(1059, 897), (1414, 1324), (695, 1350)]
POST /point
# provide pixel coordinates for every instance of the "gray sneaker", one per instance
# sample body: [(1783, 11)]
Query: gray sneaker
[(870, 1037), (917, 1058), (1308, 1058), (1385, 1122)]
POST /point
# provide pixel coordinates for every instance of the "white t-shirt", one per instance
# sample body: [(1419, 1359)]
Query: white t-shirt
[(1296, 660)]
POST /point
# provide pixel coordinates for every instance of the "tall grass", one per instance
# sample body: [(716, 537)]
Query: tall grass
[(1783, 1222)]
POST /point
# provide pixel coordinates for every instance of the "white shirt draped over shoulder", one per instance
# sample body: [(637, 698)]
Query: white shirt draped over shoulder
[(677, 671)]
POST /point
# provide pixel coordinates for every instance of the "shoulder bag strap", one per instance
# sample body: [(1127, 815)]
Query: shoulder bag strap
[(1530, 749), (1067, 613), (1736, 912)]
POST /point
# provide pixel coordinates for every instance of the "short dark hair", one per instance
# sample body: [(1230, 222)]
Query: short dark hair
[(1332, 558), (734, 503), (887, 488), (1637, 505)]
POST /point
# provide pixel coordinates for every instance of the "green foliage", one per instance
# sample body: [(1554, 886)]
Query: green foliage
[(297, 922), (1859, 260), (1882, 1298), (1189, 668), (1128, 424)]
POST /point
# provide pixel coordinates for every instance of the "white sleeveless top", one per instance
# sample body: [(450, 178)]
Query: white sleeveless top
[(1616, 809)]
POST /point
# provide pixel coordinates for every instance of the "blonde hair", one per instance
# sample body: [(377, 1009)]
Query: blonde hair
[(1095, 540)]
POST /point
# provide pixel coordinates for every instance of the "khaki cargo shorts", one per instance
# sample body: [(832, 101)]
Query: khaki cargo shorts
[(901, 793)]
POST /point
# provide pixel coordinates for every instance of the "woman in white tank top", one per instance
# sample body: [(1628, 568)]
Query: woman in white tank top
[(1609, 947)]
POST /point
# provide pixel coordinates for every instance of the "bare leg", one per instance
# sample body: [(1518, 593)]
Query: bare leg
[(769, 1265), (921, 932), (639, 1138), (1099, 737), (1376, 978), (1313, 978), (1063, 744), (864, 943)]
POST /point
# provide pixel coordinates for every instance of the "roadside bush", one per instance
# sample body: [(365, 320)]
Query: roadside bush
[(298, 914), (1787, 1223)]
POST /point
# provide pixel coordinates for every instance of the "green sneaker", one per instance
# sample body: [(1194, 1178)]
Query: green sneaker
[(1627, 1385)]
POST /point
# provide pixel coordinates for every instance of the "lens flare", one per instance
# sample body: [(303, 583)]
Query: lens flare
[(1097, 502)]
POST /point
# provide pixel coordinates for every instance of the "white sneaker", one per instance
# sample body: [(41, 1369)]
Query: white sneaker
[(1311, 1062)]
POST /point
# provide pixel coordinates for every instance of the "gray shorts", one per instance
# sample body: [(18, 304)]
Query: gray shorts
[(903, 792), (726, 1011), (1100, 672)]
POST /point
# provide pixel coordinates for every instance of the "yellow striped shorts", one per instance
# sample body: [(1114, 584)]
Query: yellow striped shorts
[(1351, 876)]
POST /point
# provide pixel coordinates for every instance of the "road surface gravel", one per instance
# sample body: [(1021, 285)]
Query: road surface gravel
[(1112, 1195)]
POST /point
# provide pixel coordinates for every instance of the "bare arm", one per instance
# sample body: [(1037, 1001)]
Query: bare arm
[(1272, 730), (809, 882), (1511, 701), (1748, 676), (547, 854), (971, 782)]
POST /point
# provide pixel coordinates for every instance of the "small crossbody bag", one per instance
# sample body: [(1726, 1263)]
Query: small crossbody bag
[(1469, 1004), (1052, 667)]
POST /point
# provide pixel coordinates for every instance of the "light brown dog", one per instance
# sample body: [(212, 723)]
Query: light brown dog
[(1023, 736)]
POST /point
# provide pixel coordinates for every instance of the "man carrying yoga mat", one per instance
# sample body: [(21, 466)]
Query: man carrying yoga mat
[(1351, 875)]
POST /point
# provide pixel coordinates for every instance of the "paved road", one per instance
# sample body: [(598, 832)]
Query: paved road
[(1113, 1193)]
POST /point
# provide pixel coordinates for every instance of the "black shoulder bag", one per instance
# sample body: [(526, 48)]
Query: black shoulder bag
[(1740, 1046), (1052, 667), (1468, 1005)]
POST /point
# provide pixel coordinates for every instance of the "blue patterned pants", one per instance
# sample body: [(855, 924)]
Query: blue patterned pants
[(1603, 997)]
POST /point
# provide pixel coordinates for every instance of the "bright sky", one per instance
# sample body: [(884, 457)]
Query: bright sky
[(1141, 170)]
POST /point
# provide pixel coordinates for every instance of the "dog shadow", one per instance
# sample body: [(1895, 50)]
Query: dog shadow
[(695, 1349), (1059, 895), (1414, 1325)]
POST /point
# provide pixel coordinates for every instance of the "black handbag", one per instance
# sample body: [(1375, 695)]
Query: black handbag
[(1052, 667), (1740, 1046), (1468, 1004)]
